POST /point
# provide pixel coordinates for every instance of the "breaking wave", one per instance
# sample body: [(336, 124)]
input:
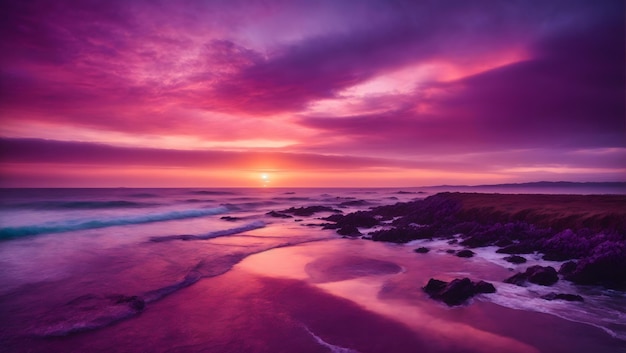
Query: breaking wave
[(219, 233), (80, 205), (81, 224)]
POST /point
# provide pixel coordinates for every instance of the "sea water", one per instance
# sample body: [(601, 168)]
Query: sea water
[(75, 262)]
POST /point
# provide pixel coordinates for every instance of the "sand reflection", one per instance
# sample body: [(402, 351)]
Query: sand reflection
[(359, 275)]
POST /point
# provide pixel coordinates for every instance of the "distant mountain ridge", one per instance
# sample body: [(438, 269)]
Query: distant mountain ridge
[(546, 184), (561, 184)]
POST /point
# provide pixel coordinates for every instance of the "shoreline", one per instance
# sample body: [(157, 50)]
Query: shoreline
[(294, 287), (589, 230), (278, 308)]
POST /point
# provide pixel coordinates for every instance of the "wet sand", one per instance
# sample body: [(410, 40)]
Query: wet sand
[(312, 298)]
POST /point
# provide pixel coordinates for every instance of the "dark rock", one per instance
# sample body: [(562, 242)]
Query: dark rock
[(518, 279), (520, 248), (354, 203), (422, 250), (450, 251), (567, 268), (545, 276), (457, 291), (230, 218), (309, 210), (298, 220), (453, 241), (357, 219), (135, 302), (278, 214), (605, 266), (485, 287), (503, 242), (563, 296), (349, 231), (556, 256), (515, 259), (330, 226), (475, 242), (403, 234), (465, 253), (434, 286)]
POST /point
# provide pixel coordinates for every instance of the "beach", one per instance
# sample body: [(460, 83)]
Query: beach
[(260, 283)]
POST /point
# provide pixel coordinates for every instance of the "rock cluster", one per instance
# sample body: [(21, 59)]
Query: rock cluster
[(545, 276), (458, 291)]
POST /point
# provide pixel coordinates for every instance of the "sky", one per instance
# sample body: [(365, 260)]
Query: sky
[(317, 93)]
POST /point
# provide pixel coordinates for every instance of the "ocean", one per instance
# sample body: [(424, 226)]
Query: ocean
[(208, 270)]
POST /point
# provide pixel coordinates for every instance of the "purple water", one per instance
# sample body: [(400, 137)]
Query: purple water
[(159, 270)]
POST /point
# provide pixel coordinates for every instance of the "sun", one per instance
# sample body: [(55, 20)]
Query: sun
[(265, 179)]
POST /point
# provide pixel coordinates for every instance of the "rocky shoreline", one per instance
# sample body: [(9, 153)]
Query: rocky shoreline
[(587, 230)]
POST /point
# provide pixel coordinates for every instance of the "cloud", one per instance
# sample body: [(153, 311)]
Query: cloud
[(570, 94), (85, 153), (529, 76)]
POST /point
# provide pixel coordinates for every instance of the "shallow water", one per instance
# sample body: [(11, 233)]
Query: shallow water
[(159, 270)]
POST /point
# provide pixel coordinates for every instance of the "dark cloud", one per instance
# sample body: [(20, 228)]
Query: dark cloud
[(85, 153), (571, 94)]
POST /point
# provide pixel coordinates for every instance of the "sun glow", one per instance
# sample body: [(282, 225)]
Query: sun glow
[(265, 179)]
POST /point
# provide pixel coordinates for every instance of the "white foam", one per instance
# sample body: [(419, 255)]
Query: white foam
[(333, 348), (593, 311)]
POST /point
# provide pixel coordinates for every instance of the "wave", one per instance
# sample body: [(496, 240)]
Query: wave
[(72, 225), (333, 348), (203, 192), (80, 205), (594, 311), (143, 195), (219, 233), (91, 312), (94, 311)]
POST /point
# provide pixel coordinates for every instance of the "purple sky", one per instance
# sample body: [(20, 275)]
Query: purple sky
[(311, 93)]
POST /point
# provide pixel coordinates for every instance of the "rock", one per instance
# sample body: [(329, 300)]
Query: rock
[(485, 287), (309, 210), (605, 266), (434, 286), (563, 296), (515, 259), (518, 279), (135, 302), (545, 276), (450, 251), (278, 214), (230, 218), (354, 203), (567, 268), (465, 253), (520, 248), (422, 250), (351, 231), (402, 234), (457, 291)]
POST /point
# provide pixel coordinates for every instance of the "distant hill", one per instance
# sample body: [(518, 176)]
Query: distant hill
[(561, 184)]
